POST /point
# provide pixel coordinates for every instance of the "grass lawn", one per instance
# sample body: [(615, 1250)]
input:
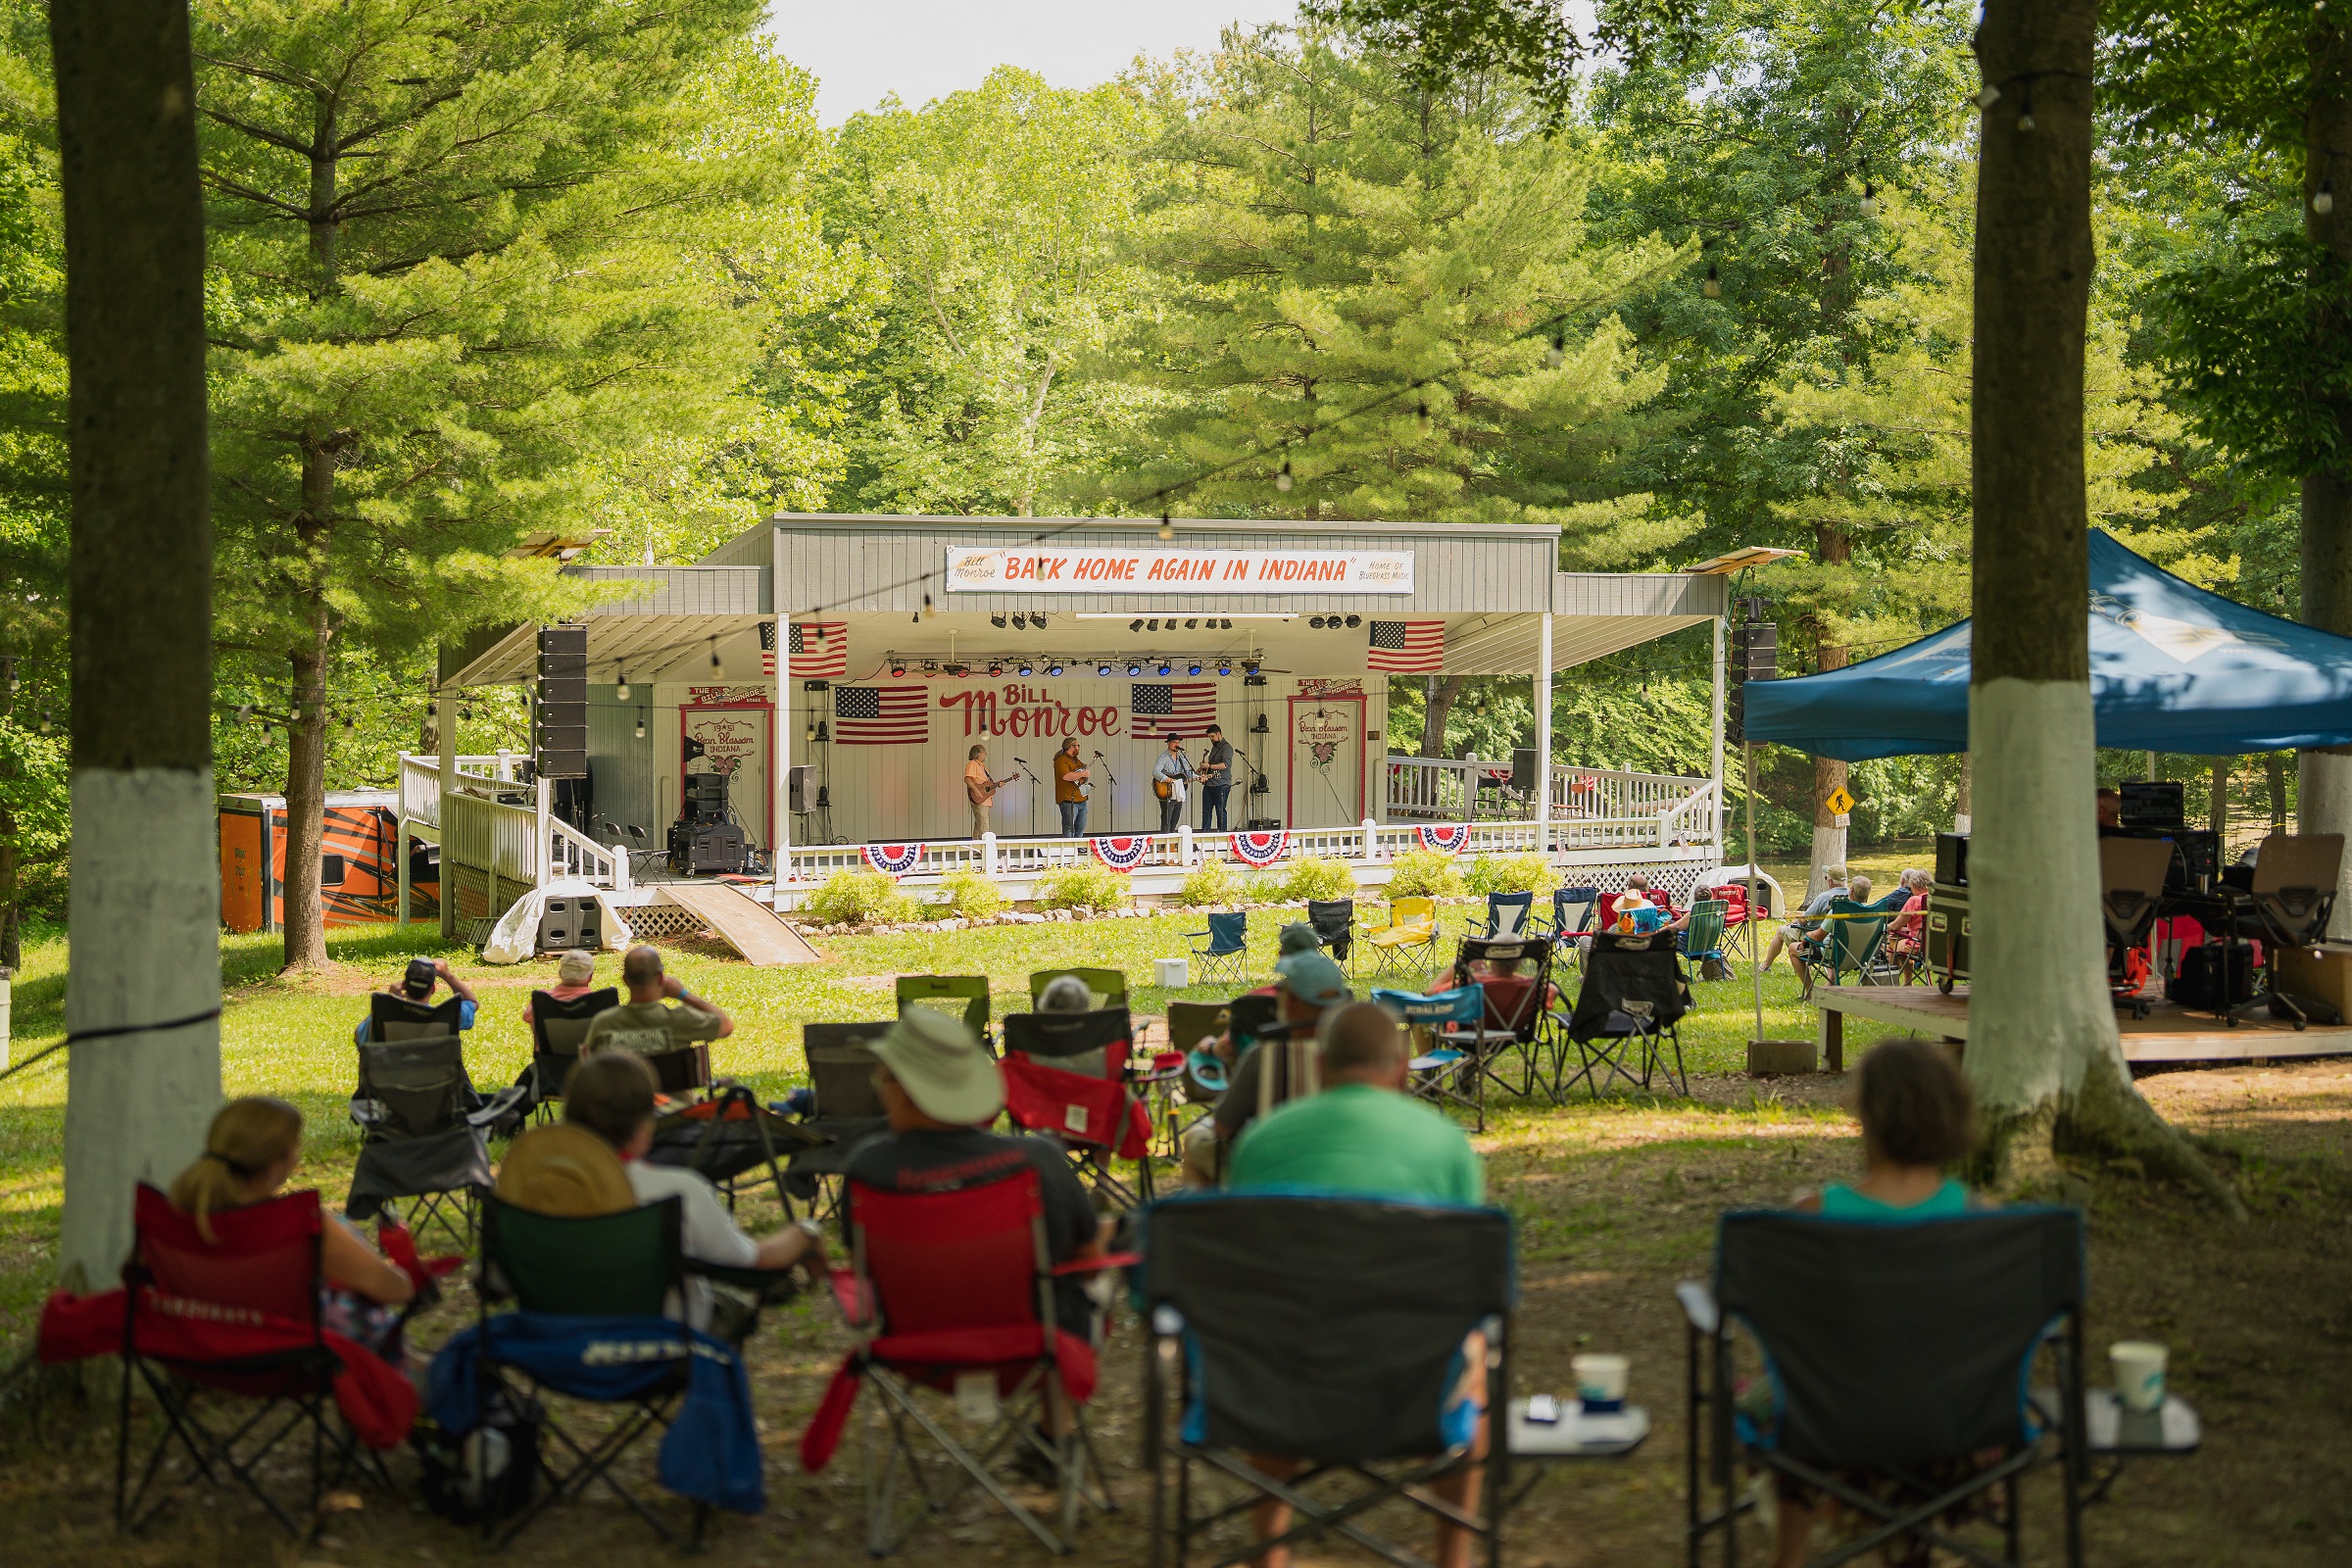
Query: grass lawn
[(1614, 1202)]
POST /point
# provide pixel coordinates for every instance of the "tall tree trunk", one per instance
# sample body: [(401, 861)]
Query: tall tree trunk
[(2324, 799), (305, 806), (2273, 774), (1964, 799), (1439, 697), (2217, 802), (2042, 1050), (142, 1085), (1832, 547)]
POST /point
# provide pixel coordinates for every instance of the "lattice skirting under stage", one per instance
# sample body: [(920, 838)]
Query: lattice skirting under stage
[(655, 920)]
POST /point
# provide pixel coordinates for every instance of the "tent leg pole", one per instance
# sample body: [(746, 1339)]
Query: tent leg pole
[(1747, 780)]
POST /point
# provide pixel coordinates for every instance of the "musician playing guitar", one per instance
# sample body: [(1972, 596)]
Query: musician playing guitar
[(980, 789), (1072, 784)]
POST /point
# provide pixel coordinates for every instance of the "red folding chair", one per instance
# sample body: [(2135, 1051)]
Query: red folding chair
[(1067, 1076), (952, 1292), (193, 1315)]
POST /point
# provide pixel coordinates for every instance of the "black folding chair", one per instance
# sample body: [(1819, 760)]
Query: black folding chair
[(1908, 1404), (2132, 875), (1329, 1329), (556, 1030), (728, 1137), (2292, 896), (1516, 984), (1334, 924), (1632, 1002), (425, 1133), (848, 1108), (392, 1016)]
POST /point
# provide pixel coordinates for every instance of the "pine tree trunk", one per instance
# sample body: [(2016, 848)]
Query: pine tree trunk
[(146, 890), (2324, 795), (2273, 773), (2042, 1048), (1964, 799), (1832, 547), (1437, 708), (2216, 804), (305, 809)]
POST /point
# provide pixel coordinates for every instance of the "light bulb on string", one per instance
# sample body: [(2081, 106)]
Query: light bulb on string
[(1711, 286), (641, 726), (1282, 480), (1869, 200), (928, 612), (1167, 528), (2025, 111), (718, 671), (620, 693), (1556, 354), (1421, 417), (2323, 201)]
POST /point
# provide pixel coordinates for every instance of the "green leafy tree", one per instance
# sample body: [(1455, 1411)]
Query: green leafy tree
[(999, 219), (460, 250)]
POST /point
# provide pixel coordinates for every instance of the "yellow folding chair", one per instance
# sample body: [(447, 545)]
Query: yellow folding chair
[(1409, 943)]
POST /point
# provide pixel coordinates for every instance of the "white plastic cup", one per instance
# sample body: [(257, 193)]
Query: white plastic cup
[(1600, 1381), (2139, 1373)]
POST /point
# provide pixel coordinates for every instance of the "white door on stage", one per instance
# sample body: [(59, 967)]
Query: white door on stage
[(1327, 762)]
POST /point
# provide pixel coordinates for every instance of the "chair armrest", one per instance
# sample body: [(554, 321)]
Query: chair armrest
[(1096, 1265), (760, 1282), (500, 1106), (848, 1294), (1699, 1304)]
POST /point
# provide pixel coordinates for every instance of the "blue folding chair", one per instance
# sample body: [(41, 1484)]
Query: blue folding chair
[(1509, 915), (1453, 1072), (1228, 947), (1572, 916)]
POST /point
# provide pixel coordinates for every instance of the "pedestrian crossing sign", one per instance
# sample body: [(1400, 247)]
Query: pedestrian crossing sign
[(1839, 801)]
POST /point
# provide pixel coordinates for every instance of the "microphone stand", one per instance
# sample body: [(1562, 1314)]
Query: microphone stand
[(1249, 794), (1113, 780), (1035, 784)]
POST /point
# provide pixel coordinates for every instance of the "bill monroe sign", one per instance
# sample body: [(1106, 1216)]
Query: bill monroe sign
[(1048, 570)]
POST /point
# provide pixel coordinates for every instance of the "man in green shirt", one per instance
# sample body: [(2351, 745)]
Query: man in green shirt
[(646, 1023), (1362, 1134)]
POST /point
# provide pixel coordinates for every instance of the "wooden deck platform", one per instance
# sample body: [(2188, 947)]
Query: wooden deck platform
[(2168, 1033)]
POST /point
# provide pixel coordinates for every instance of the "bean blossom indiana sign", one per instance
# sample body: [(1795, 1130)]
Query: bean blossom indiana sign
[(1048, 570)]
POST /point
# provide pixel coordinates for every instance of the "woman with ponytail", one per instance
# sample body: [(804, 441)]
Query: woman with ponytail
[(254, 1144)]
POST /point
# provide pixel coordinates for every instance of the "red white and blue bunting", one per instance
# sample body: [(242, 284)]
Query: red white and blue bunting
[(1122, 853), (896, 858), (1260, 849), (1453, 838)]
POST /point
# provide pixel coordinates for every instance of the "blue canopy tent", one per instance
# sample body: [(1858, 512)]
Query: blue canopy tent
[(2172, 668)]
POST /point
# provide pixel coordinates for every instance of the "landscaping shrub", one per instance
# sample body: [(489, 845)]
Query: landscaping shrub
[(1512, 873), (861, 897), (1425, 874), (971, 895), (1318, 877), (1211, 882), (1082, 887)]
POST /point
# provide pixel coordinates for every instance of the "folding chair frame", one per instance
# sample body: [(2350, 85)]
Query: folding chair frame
[(1604, 1054), (1710, 1411), (1426, 1075), (923, 989), (1089, 1160), (1390, 958), (1229, 965)]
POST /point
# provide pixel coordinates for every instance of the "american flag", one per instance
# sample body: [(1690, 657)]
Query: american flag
[(1407, 647), (881, 715), (821, 649), (1163, 710)]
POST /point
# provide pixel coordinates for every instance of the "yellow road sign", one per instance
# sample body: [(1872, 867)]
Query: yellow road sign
[(1839, 802)]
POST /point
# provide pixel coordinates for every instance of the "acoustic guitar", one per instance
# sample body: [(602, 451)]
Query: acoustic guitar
[(981, 794)]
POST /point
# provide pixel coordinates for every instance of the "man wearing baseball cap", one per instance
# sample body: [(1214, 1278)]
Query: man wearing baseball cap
[(416, 984), (941, 1091), (1280, 1067)]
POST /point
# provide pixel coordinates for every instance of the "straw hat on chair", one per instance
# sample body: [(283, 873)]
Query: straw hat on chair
[(565, 1171)]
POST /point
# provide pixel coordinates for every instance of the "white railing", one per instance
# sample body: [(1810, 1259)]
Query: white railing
[(493, 823), (1429, 789), (420, 780), (1607, 794), (573, 854)]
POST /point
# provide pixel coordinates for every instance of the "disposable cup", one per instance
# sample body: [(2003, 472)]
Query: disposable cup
[(2139, 1373), (1600, 1381)]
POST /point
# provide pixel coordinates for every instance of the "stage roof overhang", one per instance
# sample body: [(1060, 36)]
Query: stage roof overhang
[(1487, 585)]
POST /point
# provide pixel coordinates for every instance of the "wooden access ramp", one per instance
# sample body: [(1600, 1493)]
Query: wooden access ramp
[(750, 927)]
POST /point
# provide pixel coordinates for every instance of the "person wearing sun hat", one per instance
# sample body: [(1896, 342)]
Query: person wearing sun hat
[(941, 1091), (1281, 1066)]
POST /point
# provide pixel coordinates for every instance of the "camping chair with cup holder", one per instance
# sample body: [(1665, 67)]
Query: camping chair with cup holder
[(424, 1134), (1409, 943), (728, 1136), (1630, 1005), (2132, 873), (1509, 915), (1334, 923), (961, 996), (1702, 939), (589, 1295), (1516, 1014), (2290, 899), (1107, 988), (1330, 1331), (1450, 1071), (1067, 1077), (952, 1292), (237, 1316), (556, 1030), (1966, 1376), (1227, 954)]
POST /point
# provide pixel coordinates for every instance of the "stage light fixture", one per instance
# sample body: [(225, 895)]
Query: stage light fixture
[(1316, 624), (997, 620), (1026, 670), (1228, 623), (1167, 669), (1191, 670), (1193, 623), (930, 666), (1133, 668), (994, 670), (1136, 625), (1101, 670), (823, 733), (1224, 669), (1053, 670), (1354, 621), (1037, 620), (1249, 667), (898, 667)]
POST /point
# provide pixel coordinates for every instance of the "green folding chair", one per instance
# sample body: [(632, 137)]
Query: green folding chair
[(959, 995), (1109, 987), (1702, 937), (1852, 935)]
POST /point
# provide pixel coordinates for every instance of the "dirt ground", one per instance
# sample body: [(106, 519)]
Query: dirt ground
[(1615, 1205)]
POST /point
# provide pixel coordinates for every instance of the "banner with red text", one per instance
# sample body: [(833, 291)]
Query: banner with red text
[(1083, 570)]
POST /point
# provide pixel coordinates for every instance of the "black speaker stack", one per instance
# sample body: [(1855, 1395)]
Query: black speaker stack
[(703, 840), (1755, 656), (560, 733)]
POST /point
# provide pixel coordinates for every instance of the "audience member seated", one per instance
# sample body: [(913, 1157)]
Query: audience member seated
[(575, 977), (2111, 812), (941, 1090), (552, 1170), (1905, 931), (645, 1023), (250, 1151), (1066, 993), (1293, 938), (1918, 1118), (1365, 1137), (417, 985), (1311, 984), (1805, 926), (1814, 942)]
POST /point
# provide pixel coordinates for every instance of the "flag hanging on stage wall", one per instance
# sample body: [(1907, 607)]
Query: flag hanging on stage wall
[(881, 715), (1407, 647), (821, 649), (1162, 711)]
